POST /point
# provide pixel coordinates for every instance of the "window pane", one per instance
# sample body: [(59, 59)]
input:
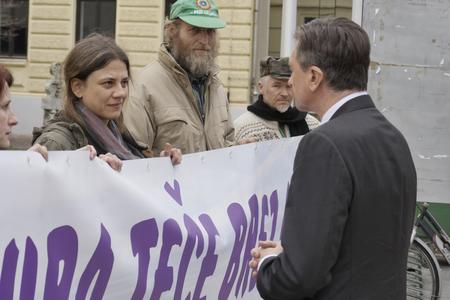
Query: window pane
[(107, 20), (96, 16), (13, 28), (168, 5)]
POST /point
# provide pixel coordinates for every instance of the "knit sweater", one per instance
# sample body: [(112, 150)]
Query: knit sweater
[(248, 125)]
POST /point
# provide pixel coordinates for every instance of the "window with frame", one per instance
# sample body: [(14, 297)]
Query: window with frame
[(13, 28), (96, 16), (307, 11), (168, 4)]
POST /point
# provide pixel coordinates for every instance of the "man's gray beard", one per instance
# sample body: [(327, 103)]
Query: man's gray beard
[(197, 66), (282, 109)]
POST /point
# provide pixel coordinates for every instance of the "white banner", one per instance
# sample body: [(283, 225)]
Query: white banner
[(71, 228)]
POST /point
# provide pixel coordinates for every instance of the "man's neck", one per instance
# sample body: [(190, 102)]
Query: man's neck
[(329, 98), (200, 80)]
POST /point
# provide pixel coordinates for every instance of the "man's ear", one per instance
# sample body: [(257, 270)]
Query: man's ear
[(77, 87), (316, 77), (260, 87), (171, 29)]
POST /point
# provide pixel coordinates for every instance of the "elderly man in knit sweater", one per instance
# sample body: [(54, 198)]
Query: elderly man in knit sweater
[(272, 117)]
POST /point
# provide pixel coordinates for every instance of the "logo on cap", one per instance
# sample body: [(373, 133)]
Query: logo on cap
[(203, 4)]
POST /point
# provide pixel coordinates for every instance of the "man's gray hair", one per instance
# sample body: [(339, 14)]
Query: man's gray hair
[(264, 79), (167, 24)]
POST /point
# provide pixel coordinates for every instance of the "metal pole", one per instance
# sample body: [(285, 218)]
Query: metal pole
[(357, 11), (260, 42), (288, 26)]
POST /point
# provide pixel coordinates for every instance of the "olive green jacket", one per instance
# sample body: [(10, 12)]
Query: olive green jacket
[(163, 109), (62, 135)]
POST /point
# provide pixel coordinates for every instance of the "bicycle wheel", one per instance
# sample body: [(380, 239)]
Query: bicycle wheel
[(423, 274)]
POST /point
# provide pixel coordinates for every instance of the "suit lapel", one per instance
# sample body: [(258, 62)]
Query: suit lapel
[(357, 103)]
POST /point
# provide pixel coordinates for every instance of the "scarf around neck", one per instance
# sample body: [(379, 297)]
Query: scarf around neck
[(106, 138), (293, 118)]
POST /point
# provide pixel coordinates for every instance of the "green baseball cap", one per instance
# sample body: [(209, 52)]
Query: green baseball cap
[(198, 13)]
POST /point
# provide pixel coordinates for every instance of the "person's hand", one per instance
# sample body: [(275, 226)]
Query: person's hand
[(264, 248), (42, 150), (270, 247), (247, 141), (91, 149), (173, 153), (113, 161)]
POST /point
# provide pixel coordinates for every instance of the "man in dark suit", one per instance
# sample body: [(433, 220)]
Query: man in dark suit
[(350, 206)]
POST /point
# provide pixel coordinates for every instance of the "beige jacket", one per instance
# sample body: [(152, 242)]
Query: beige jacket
[(163, 109)]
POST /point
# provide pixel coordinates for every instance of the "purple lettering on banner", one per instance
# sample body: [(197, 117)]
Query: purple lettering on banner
[(210, 261), (274, 212), (29, 273), (251, 243), (62, 245), (174, 191), (101, 263), (164, 274), (194, 234), (8, 274), (262, 231), (144, 235), (236, 214), (264, 213)]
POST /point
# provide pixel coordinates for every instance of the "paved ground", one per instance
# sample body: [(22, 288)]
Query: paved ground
[(445, 281)]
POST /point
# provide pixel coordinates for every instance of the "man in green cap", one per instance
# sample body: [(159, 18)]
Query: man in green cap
[(178, 98), (272, 117)]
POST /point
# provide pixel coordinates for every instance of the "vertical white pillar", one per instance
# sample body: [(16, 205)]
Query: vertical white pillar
[(357, 10), (288, 27)]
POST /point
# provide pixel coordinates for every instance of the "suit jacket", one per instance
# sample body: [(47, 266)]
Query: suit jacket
[(349, 212)]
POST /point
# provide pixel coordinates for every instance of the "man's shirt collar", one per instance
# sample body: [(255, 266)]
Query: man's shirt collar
[(333, 109)]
